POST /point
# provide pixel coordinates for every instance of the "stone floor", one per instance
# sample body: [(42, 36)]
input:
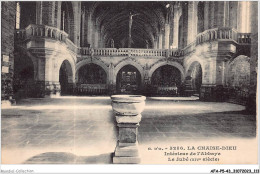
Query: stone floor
[(82, 130)]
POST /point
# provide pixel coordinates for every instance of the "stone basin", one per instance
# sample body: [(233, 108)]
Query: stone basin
[(128, 104)]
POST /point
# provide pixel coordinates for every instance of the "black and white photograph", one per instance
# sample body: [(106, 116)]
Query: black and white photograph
[(129, 82)]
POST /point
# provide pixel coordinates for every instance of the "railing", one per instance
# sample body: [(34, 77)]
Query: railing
[(224, 33), (244, 38), (41, 31), (129, 51), (91, 89), (44, 31)]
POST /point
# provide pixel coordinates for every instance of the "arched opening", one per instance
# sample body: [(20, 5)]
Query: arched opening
[(166, 80), (128, 80), (23, 84), (238, 79), (193, 80), (92, 80), (200, 15), (67, 19), (65, 78)]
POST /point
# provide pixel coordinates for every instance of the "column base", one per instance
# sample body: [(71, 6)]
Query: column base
[(126, 160), (126, 153), (54, 95)]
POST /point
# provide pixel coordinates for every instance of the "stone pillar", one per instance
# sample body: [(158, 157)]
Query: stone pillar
[(160, 46), (77, 16), (46, 13), (192, 21), (155, 46), (211, 12), (89, 35), (233, 5), (59, 15), (206, 15), (128, 115), (111, 82), (177, 15), (220, 71), (38, 12), (82, 38), (167, 36), (219, 16), (226, 13), (96, 38), (208, 78)]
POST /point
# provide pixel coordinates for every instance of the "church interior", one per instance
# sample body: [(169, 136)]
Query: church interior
[(195, 61)]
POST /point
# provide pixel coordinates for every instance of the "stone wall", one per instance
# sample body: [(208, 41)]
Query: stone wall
[(7, 47)]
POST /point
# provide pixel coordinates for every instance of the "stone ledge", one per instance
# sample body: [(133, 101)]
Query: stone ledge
[(126, 160), (128, 119), (127, 151)]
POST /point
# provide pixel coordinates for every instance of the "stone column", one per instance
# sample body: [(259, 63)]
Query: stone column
[(160, 41), (49, 88), (111, 82), (206, 15), (38, 12), (82, 38), (192, 21), (59, 15), (77, 16), (89, 35), (155, 46), (167, 36), (128, 115), (177, 15), (96, 41), (233, 5)]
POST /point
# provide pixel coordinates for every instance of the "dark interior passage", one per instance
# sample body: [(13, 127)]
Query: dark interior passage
[(128, 80)]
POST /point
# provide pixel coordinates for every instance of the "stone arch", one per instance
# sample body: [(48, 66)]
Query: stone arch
[(194, 76), (129, 62), (174, 64), (58, 64), (66, 77), (69, 69), (189, 62), (94, 61)]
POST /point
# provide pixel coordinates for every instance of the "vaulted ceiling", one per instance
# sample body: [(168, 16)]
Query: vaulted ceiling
[(113, 20)]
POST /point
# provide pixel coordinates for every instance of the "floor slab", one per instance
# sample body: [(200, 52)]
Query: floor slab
[(83, 129)]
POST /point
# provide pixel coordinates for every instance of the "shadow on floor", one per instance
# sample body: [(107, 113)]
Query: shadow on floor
[(69, 158)]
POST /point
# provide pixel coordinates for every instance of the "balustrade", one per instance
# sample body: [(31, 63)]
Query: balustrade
[(91, 89), (44, 31), (41, 31)]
